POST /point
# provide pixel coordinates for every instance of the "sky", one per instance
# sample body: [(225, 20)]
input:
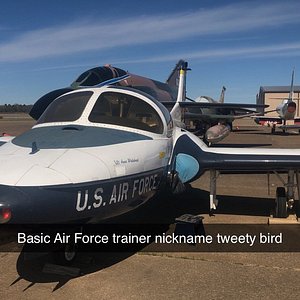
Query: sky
[(45, 45)]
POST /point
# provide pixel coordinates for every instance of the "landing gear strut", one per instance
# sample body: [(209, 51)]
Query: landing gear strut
[(285, 197), (213, 202), (273, 129)]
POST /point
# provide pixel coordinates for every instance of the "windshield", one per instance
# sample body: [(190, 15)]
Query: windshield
[(66, 108), (126, 110)]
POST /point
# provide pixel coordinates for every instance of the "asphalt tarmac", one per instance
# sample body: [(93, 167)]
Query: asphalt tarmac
[(243, 199)]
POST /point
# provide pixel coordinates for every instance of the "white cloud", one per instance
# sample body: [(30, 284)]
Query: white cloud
[(81, 37), (276, 50), (264, 51)]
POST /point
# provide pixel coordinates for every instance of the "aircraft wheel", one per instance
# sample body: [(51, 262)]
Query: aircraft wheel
[(280, 203), (67, 255)]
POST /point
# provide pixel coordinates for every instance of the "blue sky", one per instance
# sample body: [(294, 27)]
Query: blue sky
[(45, 45)]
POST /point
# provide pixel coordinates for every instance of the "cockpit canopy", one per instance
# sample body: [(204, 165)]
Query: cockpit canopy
[(66, 108), (97, 75), (118, 107), (125, 110)]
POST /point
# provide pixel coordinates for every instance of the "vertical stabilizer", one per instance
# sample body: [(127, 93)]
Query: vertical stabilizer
[(173, 79), (291, 95), (222, 96)]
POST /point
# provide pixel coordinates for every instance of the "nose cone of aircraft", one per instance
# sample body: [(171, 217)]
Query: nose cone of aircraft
[(291, 107), (13, 204)]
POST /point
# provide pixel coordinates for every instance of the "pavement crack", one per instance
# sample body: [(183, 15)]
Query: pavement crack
[(202, 259)]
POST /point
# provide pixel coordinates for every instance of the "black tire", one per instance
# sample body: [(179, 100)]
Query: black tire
[(67, 255), (280, 203)]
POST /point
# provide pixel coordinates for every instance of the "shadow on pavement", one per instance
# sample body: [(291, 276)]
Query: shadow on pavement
[(162, 210)]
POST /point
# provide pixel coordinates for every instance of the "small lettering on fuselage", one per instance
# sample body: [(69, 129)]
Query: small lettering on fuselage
[(125, 161), (123, 191)]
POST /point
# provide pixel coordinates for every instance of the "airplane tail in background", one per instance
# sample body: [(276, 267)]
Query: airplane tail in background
[(291, 95), (222, 96), (173, 79)]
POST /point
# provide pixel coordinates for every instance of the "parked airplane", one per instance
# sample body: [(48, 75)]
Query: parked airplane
[(100, 152), (215, 121), (211, 119), (108, 75), (207, 99), (286, 111)]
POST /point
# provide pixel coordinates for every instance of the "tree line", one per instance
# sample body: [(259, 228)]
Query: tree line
[(9, 108)]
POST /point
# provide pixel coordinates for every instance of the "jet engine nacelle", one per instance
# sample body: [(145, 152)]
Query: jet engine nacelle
[(217, 133), (287, 110)]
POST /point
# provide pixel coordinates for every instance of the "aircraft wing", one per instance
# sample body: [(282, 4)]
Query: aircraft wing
[(222, 105), (211, 117), (219, 111), (186, 104), (192, 152)]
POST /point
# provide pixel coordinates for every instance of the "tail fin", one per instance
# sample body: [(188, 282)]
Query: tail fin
[(173, 79), (291, 95), (222, 96)]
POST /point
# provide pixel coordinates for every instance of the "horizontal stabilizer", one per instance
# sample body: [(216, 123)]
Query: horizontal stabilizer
[(207, 117)]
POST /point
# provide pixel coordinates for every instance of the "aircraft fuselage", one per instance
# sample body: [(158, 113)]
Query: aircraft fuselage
[(101, 161)]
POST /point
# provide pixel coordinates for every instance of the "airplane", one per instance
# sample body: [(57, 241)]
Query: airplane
[(109, 75), (108, 149), (212, 133), (99, 152), (286, 111), (214, 123), (212, 119), (210, 99)]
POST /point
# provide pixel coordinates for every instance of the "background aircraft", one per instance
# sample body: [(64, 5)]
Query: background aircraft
[(210, 119), (207, 99), (286, 111), (214, 122)]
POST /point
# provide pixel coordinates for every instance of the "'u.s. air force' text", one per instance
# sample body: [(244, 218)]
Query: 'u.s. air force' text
[(89, 199)]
